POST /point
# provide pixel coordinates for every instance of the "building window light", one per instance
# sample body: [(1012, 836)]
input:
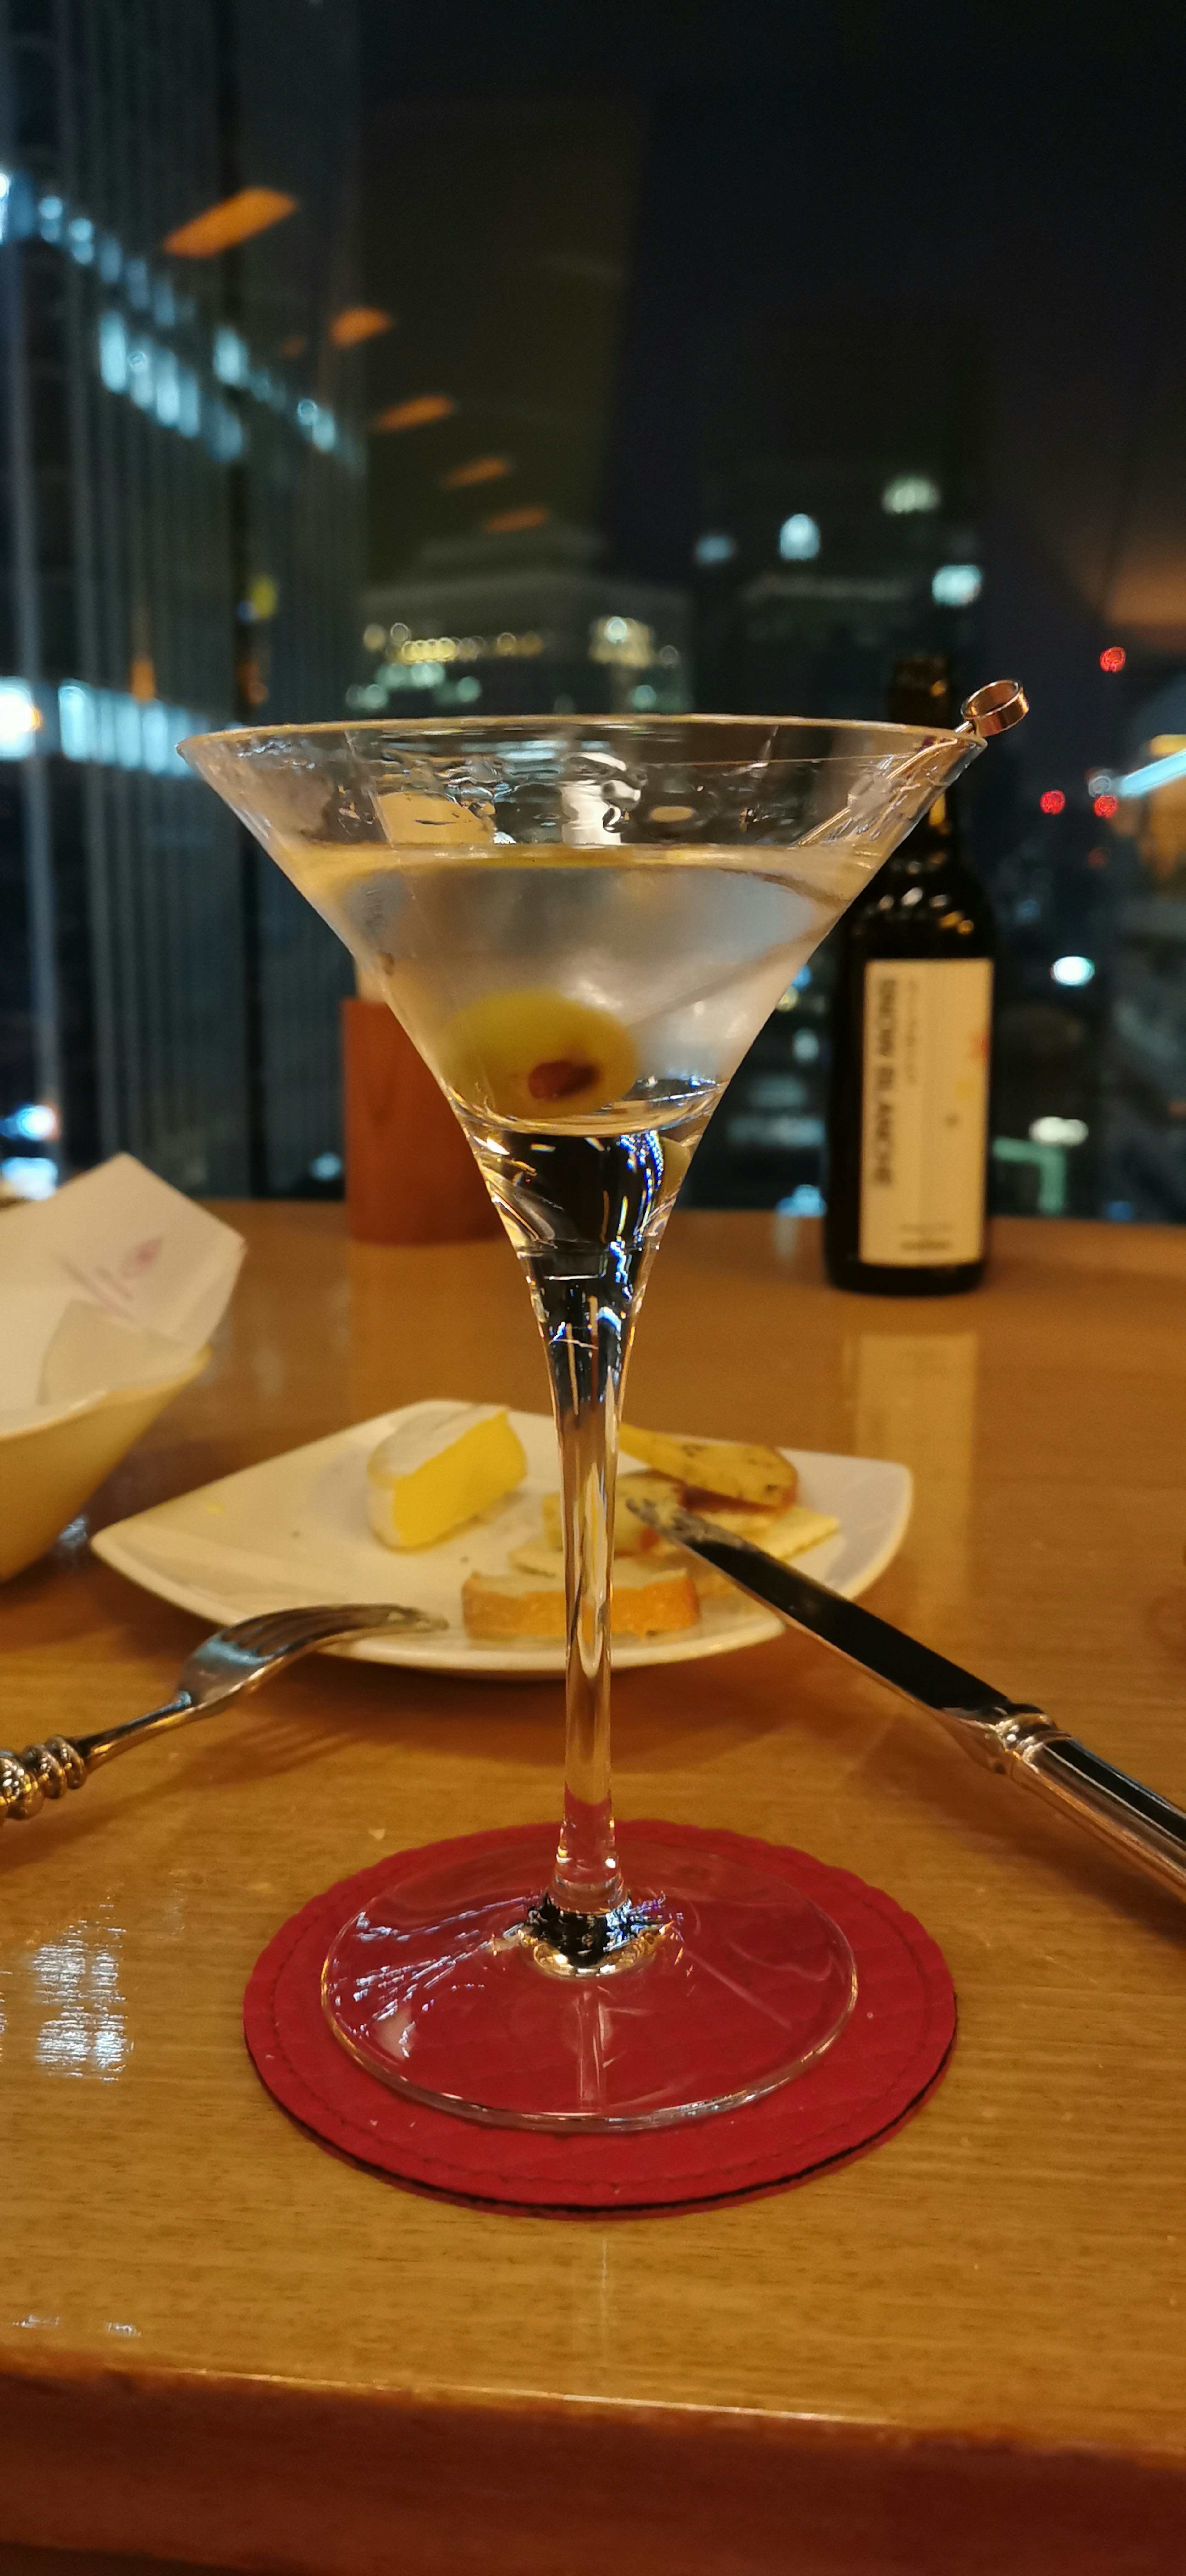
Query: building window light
[(714, 547), (908, 493), (231, 360), (113, 353), (225, 437), (141, 375), (799, 538), (50, 211), (29, 1176), (129, 739), (189, 403), (627, 640), (1058, 1131), (957, 585), (167, 389), (76, 722), (1156, 773), (154, 738), (80, 237), (118, 732), (20, 720), (32, 1124)]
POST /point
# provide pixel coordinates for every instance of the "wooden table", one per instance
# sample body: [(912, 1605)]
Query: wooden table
[(966, 2352)]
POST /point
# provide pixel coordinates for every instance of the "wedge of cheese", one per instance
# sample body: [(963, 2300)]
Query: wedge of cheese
[(647, 1601), (744, 1470), (433, 1474)]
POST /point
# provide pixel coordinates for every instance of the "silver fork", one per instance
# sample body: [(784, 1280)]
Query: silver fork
[(232, 1661)]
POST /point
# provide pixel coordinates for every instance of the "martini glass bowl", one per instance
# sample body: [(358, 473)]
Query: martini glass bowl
[(582, 923)]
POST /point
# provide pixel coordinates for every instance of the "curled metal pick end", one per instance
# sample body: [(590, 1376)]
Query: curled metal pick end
[(994, 708)]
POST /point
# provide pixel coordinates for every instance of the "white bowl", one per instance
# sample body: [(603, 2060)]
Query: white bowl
[(49, 1469)]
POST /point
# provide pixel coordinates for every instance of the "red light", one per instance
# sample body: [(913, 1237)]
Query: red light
[(1105, 807), (1097, 858), (1113, 657), (1053, 801)]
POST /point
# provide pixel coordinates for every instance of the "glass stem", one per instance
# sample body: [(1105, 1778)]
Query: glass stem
[(587, 1334), (585, 1214)]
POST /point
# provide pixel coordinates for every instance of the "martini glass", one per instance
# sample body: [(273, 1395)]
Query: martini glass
[(582, 924)]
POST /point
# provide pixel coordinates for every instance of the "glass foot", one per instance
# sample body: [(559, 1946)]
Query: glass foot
[(720, 1982)]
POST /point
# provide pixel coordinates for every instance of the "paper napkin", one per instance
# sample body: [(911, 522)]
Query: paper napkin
[(116, 1281)]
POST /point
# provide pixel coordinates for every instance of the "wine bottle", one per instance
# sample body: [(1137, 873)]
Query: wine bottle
[(911, 1024)]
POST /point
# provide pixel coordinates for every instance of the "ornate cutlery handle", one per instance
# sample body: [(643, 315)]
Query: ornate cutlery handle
[(42, 1771), (1140, 1825)]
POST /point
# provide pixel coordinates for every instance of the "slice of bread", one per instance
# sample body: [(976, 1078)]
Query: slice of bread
[(647, 1601), (746, 1471)]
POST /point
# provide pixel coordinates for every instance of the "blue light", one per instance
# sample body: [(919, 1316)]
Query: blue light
[(30, 1176), (76, 723), (799, 538), (805, 1201), (34, 1123), (113, 353), (326, 1167), (957, 585), (231, 358), (167, 389), (153, 377), (5, 193), (119, 732), (1156, 773), (129, 738), (19, 720), (1072, 971), (142, 375), (714, 548), (189, 403), (154, 738)]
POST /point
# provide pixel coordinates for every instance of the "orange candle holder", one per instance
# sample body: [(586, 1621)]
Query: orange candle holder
[(410, 1175)]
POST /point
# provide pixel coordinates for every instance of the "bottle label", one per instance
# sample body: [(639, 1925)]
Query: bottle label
[(924, 1114)]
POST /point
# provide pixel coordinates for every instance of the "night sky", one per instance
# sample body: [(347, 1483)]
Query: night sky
[(578, 214)]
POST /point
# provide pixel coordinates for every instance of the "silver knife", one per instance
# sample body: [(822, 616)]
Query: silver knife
[(1002, 1734)]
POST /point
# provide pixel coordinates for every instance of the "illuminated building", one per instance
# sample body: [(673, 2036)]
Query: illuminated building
[(522, 623), (179, 523), (839, 500), (1145, 1052)]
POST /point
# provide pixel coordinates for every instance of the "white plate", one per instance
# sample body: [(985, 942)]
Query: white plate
[(295, 1530)]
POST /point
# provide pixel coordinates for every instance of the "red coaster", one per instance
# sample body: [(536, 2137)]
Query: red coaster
[(875, 2076)]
